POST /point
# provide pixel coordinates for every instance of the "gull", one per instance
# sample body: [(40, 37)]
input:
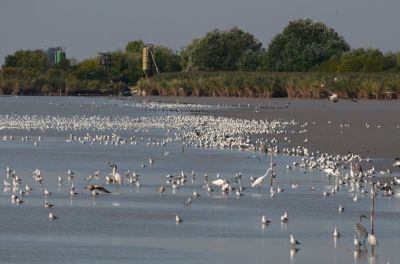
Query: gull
[(178, 220), (397, 180), (52, 216), (161, 189), (397, 163), (6, 184), (285, 218), (295, 186), (18, 201), (48, 205), (46, 192), (117, 178), (195, 194), (264, 220), (293, 242), (188, 203), (72, 193), (336, 233), (93, 187), (341, 208), (60, 180)]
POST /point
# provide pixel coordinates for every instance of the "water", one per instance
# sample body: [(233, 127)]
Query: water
[(138, 224)]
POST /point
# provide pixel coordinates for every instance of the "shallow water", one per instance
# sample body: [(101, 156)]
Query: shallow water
[(138, 224)]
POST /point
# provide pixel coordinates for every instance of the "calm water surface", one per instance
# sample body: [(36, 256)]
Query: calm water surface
[(138, 224)]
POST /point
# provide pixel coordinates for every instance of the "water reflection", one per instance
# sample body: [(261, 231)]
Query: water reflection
[(293, 252), (335, 239), (373, 257), (360, 254)]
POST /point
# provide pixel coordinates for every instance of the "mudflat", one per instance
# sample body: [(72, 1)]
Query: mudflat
[(370, 128)]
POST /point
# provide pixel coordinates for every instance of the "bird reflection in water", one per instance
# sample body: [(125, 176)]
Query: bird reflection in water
[(293, 252)]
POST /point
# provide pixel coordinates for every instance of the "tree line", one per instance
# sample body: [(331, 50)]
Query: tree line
[(230, 62)]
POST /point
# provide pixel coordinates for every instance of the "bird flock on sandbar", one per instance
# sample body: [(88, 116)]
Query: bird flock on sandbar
[(268, 137)]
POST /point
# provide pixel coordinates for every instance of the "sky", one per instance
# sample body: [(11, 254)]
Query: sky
[(86, 27)]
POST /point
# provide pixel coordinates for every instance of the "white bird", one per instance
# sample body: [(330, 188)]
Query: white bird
[(118, 178), (52, 216), (356, 242), (195, 194), (6, 183), (218, 182), (258, 182), (46, 192), (284, 217), (178, 220), (372, 240), (238, 193), (293, 241), (18, 201), (264, 220), (336, 233), (341, 208)]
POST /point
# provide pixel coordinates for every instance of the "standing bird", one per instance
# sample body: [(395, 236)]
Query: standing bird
[(161, 189), (258, 182), (188, 203), (285, 218), (52, 216), (361, 230), (178, 220), (264, 220), (115, 175), (293, 241), (336, 233)]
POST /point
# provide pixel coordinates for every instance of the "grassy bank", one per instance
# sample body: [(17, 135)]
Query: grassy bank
[(266, 84)]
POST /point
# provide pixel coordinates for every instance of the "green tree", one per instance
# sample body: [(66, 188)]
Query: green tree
[(28, 59), (303, 44), (220, 50), (359, 60), (134, 46), (166, 59)]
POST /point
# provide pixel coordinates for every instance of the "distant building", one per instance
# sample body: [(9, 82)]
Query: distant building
[(56, 55)]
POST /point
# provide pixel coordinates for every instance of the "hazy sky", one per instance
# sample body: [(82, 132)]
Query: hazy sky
[(85, 27)]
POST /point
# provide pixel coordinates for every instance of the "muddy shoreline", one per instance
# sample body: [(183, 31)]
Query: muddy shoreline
[(370, 128)]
